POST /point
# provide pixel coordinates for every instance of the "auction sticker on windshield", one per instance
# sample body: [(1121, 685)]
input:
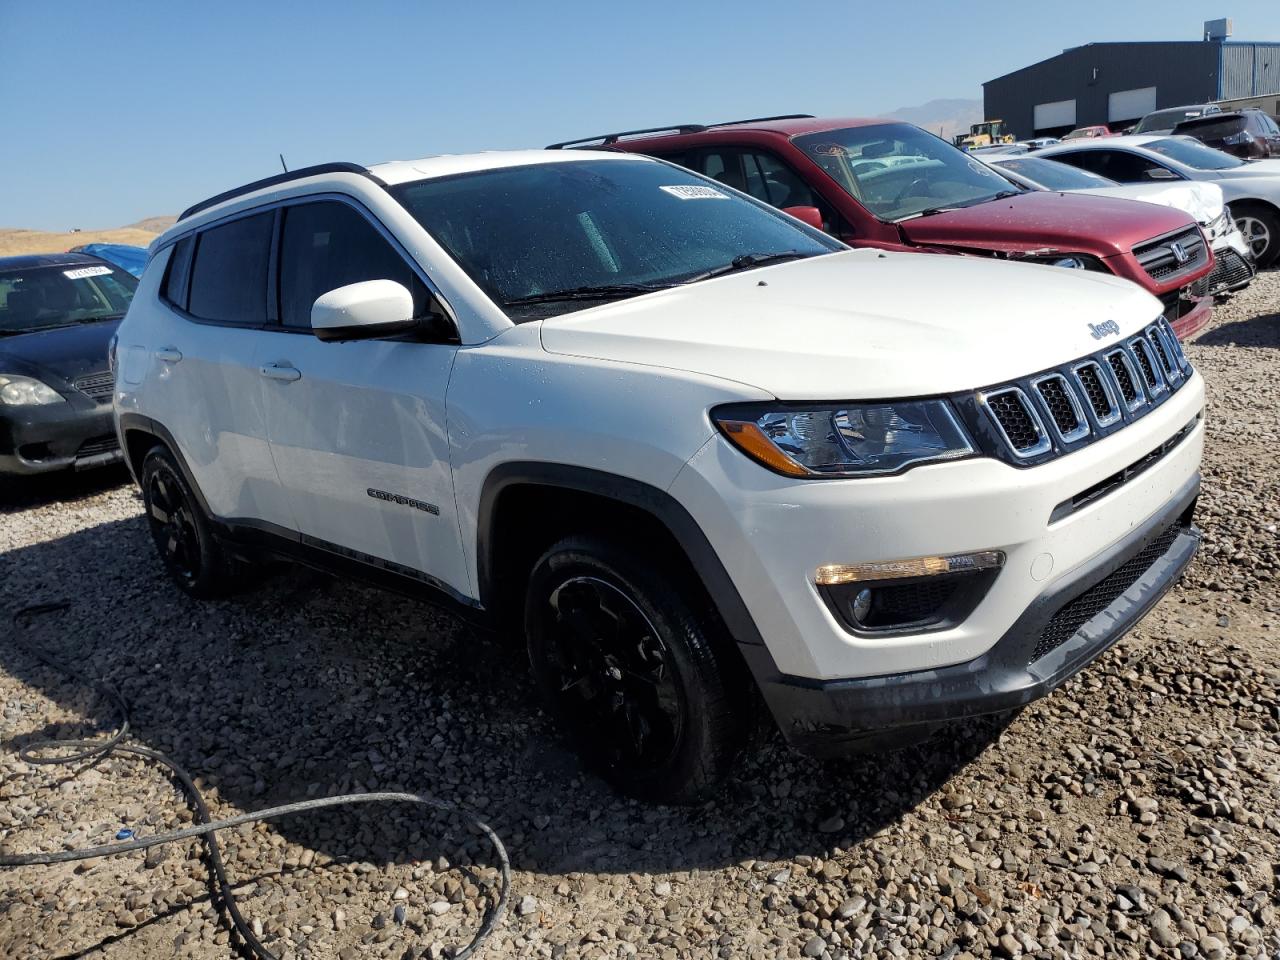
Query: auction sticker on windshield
[(693, 192), (82, 272)]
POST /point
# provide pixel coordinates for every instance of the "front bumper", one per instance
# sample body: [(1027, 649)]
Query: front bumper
[(1189, 314), (70, 435), (1234, 268), (1036, 655)]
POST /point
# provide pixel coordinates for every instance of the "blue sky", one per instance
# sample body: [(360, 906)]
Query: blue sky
[(117, 111)]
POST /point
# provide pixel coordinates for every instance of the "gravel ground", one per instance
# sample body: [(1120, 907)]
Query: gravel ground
[(1133, 813)]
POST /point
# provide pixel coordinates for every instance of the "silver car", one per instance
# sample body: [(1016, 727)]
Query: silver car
[(1250, 187)]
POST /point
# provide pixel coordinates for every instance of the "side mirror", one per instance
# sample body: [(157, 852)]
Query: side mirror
[(363, 311), (1160, 173), (810, 215)]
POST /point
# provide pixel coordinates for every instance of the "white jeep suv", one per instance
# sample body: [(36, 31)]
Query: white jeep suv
[(696, 452)]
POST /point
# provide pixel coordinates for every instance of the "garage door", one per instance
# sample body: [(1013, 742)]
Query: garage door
[(1060, 113), (1130, 104)]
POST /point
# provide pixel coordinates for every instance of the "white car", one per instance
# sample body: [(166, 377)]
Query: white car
[(1234, 268), (1250, 187), (685, 446)]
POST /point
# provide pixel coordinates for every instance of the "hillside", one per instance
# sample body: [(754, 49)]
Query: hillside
[(943, 117), (13, 242)]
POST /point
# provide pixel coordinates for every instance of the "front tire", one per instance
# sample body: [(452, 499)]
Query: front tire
[(191, 554), (629, 668)]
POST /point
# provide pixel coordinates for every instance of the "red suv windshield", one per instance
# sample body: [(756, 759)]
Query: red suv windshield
[(898, 171)]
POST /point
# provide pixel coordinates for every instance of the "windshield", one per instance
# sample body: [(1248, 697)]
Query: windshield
[(36, 298), (897, 171), (1051, 175), (1193, 154), (1165, 119), (550, 233)]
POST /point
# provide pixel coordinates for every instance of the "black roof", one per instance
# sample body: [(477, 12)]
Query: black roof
[(279, 178), (47, 260)]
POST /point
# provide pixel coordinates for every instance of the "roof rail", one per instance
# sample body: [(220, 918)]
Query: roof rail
[(607, 140), (301, 172), (781, 116)]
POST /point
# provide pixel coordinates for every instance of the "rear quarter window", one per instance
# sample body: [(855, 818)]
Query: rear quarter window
[(177, 273)]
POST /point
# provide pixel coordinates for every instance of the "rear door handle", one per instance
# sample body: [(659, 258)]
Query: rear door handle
[(169, 354), (280, 371)]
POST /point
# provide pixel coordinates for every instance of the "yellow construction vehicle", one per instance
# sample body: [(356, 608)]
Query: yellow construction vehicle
[(984, 134)]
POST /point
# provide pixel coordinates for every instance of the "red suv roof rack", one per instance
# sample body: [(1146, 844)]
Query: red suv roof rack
[(606, 140)]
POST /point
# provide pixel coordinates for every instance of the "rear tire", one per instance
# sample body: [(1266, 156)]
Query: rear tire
[(630, 670), (1261, 228), (184, 538)]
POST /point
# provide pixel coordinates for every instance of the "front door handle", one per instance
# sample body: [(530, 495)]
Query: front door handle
[(280, 371), (169, 354)]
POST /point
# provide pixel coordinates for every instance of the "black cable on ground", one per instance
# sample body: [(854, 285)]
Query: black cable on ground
[(206, 828)]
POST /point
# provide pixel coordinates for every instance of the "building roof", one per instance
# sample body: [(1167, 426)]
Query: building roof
[(1133, 43)]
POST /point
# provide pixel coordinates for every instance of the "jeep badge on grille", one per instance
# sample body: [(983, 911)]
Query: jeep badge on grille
[(1108, 328)]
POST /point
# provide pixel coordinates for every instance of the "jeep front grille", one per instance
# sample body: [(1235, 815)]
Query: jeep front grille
[(1055, 411), (1017, 421)]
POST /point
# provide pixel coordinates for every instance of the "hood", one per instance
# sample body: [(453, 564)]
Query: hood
[(863, 324), (1050, 221), (67, 352), (1201, 201)]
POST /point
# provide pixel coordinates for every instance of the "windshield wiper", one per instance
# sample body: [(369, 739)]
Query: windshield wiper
[(608, 291), (930, 211), (747, 261)]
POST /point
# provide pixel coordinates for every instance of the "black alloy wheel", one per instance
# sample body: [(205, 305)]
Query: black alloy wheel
[(637, 672), (614, 674), (173, 526), (183, 536)]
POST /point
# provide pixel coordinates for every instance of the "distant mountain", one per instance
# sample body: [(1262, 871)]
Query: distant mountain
[(14, 242), (154, 224), (943, 117)]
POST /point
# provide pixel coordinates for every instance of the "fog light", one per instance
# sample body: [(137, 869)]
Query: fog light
[(919, 594), (861, 605)]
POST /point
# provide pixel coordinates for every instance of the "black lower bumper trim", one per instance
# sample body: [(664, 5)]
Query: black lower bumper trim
[(826, 718)]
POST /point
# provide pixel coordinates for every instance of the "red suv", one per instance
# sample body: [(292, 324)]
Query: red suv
[(881, 183)]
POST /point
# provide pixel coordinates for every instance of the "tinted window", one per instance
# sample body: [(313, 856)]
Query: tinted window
[(229, 276), (1212, 128), (1194, 155), (35, 298), (544, 229), (329, 244), (178, 272), (1052, 175), (1118, 165)]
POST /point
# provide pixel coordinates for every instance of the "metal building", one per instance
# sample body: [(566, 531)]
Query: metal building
[(1117, 83)]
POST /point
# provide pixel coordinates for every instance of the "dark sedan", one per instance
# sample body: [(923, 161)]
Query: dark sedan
[(58, 313)]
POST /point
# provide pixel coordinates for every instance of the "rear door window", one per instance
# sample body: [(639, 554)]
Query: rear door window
[(329, 244), (1118, 165), (229, 275)]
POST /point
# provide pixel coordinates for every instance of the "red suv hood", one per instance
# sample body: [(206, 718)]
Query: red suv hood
[(1041, 220)]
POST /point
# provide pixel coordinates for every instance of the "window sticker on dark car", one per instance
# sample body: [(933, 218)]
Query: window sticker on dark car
[(691, 192), (82, 272)]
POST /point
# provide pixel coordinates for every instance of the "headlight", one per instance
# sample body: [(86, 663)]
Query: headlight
[(845, 440), (25, 392), (1072, 261)]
